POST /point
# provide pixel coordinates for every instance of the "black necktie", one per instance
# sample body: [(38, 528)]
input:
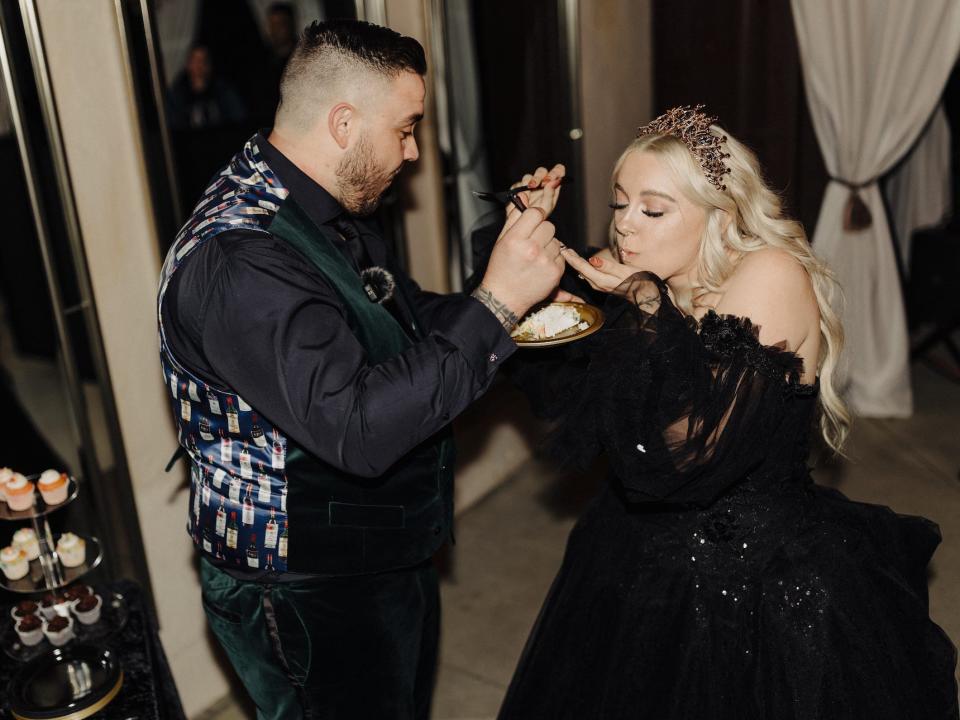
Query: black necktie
[(352, 244)]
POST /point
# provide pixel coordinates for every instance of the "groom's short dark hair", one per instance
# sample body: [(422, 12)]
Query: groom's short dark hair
[(336, 51)]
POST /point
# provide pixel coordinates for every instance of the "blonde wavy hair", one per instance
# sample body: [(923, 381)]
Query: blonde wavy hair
[(759, 223)]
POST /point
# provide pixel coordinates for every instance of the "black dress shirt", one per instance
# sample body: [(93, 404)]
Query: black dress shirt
[(247, 312)]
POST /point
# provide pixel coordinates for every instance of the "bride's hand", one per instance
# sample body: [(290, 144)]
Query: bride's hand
[(602, 272), (543, 192)]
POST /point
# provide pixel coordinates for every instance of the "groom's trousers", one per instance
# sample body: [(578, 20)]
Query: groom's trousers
[(341, 648)]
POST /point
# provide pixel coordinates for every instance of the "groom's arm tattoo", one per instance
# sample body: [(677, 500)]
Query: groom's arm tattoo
[(505, 315)]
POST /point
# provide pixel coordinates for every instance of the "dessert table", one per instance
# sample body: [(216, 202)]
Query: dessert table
[(148, 691)]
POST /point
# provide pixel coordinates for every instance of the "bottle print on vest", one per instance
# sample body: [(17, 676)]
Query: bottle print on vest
[(221, 519), (233, 418), (235, 484), (263, 486), (219, 475), (204, 481), (246, 468), (256, 433), (226, 448), (248, 513), (253, 556), (277, 455), (213, 403), (205, 428), (207, 541), (272, 533), (232, 531), (185, 407), (192, 391)]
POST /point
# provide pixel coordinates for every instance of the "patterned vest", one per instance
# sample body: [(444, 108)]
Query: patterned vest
[(257, 499)]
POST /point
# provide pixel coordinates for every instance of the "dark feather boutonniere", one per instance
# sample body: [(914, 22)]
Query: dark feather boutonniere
[(378, 283)]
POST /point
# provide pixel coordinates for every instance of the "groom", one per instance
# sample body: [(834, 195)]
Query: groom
[(313, 385)]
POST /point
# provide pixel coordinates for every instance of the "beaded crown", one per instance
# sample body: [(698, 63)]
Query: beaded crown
[(692, 127)]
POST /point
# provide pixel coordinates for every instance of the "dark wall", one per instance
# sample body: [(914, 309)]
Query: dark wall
[(740, 58)]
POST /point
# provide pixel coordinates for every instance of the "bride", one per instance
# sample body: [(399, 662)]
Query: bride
[(711, 578)]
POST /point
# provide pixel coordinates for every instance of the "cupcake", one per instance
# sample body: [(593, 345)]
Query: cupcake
[(53, 487), (5, 475), (71, 549), (24, 609), (87, 609), (59, 631), (75, 592), (30, 630), (14, 563), (26, 540), (19, 492)]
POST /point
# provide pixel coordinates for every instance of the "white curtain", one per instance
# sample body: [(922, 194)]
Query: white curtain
[(874, 71), (176, 28), (919, 191)]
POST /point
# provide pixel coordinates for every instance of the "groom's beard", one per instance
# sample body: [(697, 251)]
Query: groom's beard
[(362, 181)]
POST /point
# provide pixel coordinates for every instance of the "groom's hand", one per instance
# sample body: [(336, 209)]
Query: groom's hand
[(524, 268)]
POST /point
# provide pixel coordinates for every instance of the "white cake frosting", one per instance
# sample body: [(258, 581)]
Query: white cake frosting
[(48, 477), (67, 541), (17, 481), (23, 536), (10, 554)]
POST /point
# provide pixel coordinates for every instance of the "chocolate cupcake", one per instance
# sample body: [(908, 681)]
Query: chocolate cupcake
[(87, 609), (24, 609), (75, 592), (59, 631), (30, 630)]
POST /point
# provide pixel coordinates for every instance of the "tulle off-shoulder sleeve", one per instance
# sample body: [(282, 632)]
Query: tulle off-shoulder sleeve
[(682, 409)]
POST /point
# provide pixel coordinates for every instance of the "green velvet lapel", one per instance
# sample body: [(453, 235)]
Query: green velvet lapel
[(377, 330)]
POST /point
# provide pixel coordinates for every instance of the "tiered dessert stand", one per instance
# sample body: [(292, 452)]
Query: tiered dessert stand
[(48, 575)]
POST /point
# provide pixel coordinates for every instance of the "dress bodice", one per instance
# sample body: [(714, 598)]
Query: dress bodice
[(683, 409)]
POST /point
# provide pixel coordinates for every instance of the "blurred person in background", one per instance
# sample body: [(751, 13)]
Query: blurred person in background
[(198, 99)]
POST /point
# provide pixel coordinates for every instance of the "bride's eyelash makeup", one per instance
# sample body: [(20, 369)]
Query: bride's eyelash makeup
[(648, 213)]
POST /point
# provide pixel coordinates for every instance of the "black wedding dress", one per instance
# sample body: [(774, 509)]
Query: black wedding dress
[(711, 579)]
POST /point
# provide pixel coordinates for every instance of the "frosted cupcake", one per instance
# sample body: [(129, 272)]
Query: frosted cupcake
[(76, 592), (14, 563), (53, 487), (59, 631), (24, 608), (5, 475), (30, 630), (26, 540), (19, 492), (87, 609), (71, 549)]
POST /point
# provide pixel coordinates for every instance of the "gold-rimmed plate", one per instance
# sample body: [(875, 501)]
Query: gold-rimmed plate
[(589, 315)]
